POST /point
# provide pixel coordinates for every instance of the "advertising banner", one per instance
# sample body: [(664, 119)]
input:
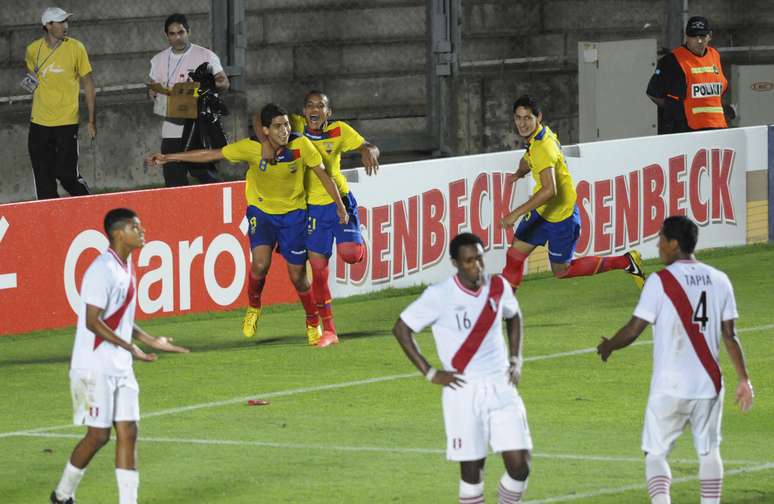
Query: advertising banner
[(196, 257), (625, 190)]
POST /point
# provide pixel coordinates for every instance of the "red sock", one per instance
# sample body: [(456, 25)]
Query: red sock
[(587, 266), (312, 317), (322, 293), (514, 267), (254, 289)]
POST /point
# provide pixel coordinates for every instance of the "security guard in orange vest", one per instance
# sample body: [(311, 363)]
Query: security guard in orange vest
[(689, 83)]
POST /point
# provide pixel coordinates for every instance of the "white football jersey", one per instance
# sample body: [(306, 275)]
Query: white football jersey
[(452, 311), (708, 300), (106, 284)]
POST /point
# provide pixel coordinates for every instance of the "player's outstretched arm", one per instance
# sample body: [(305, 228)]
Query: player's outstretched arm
[(333, 191), (546, 192), (369, 154), (95, 324), (159, 343), (744, 391), (623, 338), (194, 156), (405, 338)]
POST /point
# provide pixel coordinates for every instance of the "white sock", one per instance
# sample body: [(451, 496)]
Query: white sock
[(510, 490), (71, 476), (471, 494), (711, 476), (659, 478), (128, 481)]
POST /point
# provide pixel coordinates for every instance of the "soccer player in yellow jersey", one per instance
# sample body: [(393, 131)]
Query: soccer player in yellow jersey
[(276, 209), (551, 213), (331, 138)]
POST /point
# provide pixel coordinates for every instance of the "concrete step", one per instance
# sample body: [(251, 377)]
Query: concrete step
[(85, 10)]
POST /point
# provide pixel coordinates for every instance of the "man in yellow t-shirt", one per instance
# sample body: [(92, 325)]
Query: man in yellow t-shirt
[(276, 206), (551, 213), (55, 65)]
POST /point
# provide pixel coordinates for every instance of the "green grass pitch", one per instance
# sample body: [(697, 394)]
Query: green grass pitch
[(357, 424)]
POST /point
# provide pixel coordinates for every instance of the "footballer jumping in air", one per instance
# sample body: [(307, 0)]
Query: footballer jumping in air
[(551, 213)]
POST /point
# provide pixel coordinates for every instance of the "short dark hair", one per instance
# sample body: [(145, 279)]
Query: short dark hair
[(116, 218), (269, 112), (176, 18), (682, 229), (526, 101), (462, 240), (322, 95)]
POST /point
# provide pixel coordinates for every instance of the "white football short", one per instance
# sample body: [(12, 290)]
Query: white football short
[(484, 412), (99, 400), (666, 416)]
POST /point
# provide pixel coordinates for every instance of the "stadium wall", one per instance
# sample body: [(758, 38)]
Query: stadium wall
[(196, 257), (369, 56)]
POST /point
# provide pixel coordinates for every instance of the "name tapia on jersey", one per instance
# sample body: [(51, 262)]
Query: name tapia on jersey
[(706, 89)]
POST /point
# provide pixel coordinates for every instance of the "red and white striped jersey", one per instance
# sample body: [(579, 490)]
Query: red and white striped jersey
[(109, 284), (466, 325), (686, 303)]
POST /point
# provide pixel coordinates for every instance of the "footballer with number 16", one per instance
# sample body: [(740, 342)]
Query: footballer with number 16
[(481, 405)]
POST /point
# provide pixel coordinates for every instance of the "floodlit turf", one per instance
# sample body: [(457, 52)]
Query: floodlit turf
[(357, 424)]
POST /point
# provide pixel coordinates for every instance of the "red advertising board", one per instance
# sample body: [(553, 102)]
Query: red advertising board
[(195, 258)]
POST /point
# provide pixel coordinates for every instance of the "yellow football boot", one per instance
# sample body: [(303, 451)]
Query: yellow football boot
[(635, 268), (312, 335), (250, 323)]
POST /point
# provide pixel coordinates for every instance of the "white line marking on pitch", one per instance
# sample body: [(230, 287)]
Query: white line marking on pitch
[(433, 451), (643, 487), (333, 386)]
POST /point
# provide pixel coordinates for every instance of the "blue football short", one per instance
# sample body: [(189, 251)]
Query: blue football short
[(323, 226), (561, 236), (287, 231)]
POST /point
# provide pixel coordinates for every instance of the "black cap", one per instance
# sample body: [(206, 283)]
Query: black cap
[(696, 26)]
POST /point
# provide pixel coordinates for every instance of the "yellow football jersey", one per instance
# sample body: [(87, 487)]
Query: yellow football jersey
[(275, 188), (544, 151), (55, 101), (336, 138)]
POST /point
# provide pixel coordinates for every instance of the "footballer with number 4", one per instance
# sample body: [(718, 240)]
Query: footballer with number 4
[(104, 390), (692, 308), (481, 405)]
